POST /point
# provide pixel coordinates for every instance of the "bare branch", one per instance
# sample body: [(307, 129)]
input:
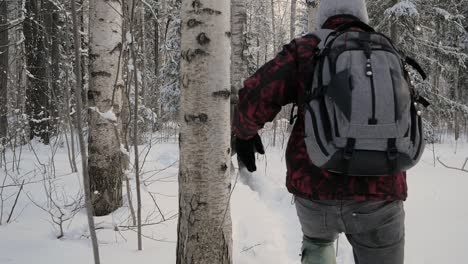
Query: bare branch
[(454, 168), (157, 206), (16, 201), (250, 248), (150, 224)]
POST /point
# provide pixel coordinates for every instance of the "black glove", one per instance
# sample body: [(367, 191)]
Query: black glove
[(246, 151)]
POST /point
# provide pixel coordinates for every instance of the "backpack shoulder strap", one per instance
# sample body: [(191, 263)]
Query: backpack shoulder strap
[(323, 35), (356, 24), (320, 35)]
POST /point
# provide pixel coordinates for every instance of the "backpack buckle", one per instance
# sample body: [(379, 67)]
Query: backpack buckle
[(349, 148), (392, 150), (392, 154)]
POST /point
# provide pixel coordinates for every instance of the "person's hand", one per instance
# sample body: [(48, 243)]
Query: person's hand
[(246, 151)]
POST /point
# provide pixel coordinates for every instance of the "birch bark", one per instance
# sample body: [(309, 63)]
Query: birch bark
[(312, 8), (238, 44), (104, 98), (292, 26), (204, 228)]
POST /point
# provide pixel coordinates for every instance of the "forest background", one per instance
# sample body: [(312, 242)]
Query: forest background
[(128, 81)]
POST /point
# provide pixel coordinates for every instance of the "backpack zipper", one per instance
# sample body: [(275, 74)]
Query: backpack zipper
[(373, 120), (370, 74)]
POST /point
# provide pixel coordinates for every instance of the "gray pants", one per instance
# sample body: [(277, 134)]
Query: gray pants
[(376, 230)]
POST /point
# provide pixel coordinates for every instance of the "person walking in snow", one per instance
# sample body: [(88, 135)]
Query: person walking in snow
[(369, 210)]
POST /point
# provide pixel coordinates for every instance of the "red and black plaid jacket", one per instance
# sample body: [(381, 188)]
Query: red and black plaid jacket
[(280, 82)]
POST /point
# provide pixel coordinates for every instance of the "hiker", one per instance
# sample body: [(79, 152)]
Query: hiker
[(368, 209)]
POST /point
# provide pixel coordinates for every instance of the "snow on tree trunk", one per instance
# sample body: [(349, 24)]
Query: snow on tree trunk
[(156, 92), (238, 45), (85, 27), (52, 49), (312, 9), (204, 229), (37, 102), (456, 117), (104, 98), (3, 70)]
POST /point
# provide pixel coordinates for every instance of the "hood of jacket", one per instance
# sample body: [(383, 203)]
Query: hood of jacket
[(331, 8)]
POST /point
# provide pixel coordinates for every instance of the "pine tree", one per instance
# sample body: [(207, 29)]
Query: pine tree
[(38, 94)]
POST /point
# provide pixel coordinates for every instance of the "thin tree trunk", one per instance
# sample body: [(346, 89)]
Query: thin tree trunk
[(273, 27), (19, 100), (67, 114), (457, 99), (141, 54), (238, 44), (156, 47), (394, 27), (86, 180), (292, 26), (204, 228), (85, 59), (258, 52), (275, 50), (4, 42), (133, 22), (104, 99), (51, 46), (312, 8), (157, 105)]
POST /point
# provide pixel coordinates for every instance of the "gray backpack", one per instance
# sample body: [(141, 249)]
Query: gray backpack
[(362, 114)]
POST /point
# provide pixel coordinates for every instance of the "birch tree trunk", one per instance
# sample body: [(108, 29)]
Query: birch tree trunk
[(312, 9), (292, 25), (84, 25), (273, 27), (275, 49), (238, 44), (204, 228), (104, 98), (66, 115), (4, 42)]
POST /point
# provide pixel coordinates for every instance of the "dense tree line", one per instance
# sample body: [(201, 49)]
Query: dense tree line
[(36, 73)]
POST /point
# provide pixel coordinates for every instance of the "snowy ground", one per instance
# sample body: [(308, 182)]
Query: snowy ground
[(266, 229)]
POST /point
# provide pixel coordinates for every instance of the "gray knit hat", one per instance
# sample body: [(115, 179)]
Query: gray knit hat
[(329, 8)]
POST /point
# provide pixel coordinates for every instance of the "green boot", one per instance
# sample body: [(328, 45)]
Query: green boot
[(316, 251)]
